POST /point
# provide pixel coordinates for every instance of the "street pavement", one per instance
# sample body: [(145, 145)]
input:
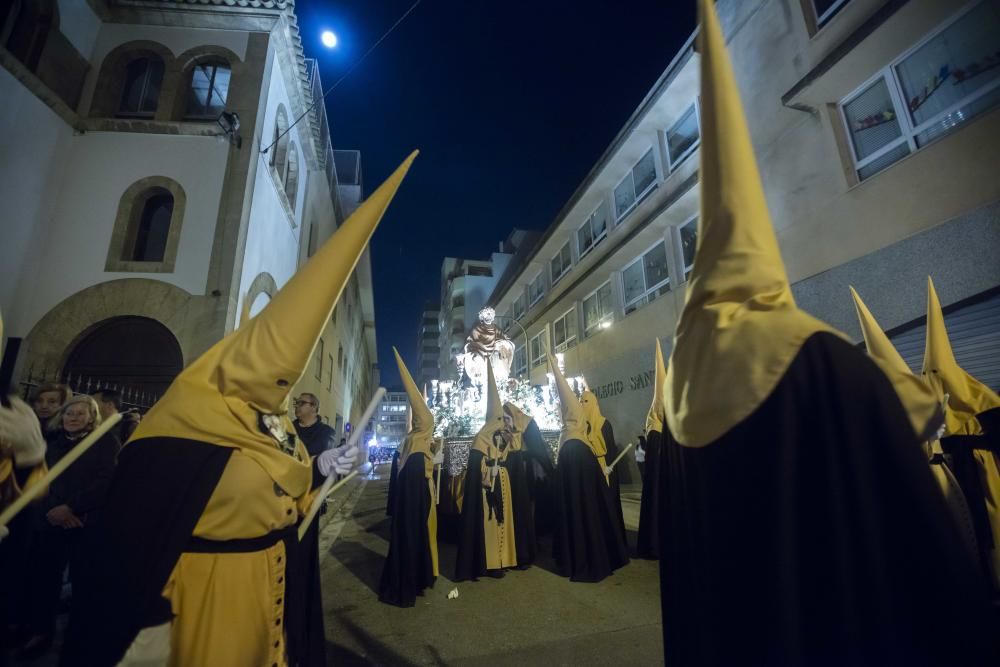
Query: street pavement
[(531, 617)]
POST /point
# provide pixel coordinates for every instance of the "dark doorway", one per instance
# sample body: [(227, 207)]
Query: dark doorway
[(137, 353)]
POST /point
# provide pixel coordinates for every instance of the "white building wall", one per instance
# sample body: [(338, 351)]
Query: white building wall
[(38, 138), (74, 246)]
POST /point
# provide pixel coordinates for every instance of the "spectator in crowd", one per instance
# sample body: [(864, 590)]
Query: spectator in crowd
[(61, 520), (48, 399), (317, 436), (110, 403)]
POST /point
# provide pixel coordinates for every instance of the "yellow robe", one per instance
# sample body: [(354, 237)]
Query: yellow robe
[(229, 607), (500, 547)]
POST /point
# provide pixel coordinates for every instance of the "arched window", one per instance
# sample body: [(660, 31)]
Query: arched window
[(208, 88), (150, 228), (141, 93), (147, 228), (279, 141), (291, 175)]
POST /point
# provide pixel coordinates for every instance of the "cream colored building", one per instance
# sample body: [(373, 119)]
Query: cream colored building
[(136, 220), (876, 175)]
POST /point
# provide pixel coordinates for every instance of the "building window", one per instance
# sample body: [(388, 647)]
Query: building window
[(148, 243), (147, 227), (689, 243), (291, 176), (593, 231), (329, 373), (635, 185), (825, 9), (951, 77), (537, 349), (683, 137), (340, 357), (561, 263), (598, 309), (536, 290), (318, 360), (564, 331), (646, 278), (520, 361), (208, 90), (519, 307), (279, 143), (141, 95)]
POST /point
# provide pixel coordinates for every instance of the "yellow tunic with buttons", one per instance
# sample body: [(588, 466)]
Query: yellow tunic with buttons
[(229, 607), (500, 547)]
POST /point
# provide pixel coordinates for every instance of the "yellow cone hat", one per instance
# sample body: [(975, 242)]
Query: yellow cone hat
[(574, 424), (654, 420), (595, 422), (494, 414), (967, 396), (913, 392), (421, 436), (221, 397), (740, 328)]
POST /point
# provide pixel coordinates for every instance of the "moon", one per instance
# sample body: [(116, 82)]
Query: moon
[(329, 39)]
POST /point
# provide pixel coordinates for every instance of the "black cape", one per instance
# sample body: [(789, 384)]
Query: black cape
[(613, 478), (393, 471), (812, 533), (159, 491), (518, 466), (648, 541), (408, 568), (959, 449), (541, 477), (470, 560), (589, 543)]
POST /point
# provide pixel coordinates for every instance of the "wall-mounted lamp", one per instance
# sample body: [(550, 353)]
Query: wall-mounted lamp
[(229, 121)]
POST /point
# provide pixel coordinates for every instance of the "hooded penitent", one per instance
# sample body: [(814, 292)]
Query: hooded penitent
[(971, 438), (589, 543), (800, 523), (487, 543), (412, 563), (216, 462), (881, 349), (595, 423), (648, 537)]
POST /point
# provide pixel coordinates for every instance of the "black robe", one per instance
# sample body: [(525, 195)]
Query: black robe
[(159, 491), (648, 542), (589, 544), (960, 450), (470, 560), (613, 479), (540, 472), (408, 568), (812, 533), (393, 471)]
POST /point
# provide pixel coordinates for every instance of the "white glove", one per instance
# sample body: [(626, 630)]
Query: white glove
[(151, 648), (439, 457), (339, 461), (20, 433), (640, 455), (607, 470)]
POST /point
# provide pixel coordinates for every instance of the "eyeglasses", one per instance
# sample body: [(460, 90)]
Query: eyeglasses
[(298, 403)]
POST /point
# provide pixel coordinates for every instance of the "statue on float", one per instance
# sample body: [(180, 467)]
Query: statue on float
[(487, 341)]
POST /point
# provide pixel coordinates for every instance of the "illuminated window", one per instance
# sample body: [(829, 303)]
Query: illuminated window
[(635, 185), (564, 330), (537, 349), (646, 278), (598, 309)]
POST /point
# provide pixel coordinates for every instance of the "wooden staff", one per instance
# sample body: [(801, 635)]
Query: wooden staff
[(437, 485), (329, 486), (59, 468), (619, 457)]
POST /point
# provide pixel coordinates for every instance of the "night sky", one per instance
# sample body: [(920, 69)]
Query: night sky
[(510, 104)]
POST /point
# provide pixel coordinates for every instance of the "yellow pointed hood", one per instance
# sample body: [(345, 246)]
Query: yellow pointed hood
[(574, 424), (914, 393), (520, 418), (494, 414), (654, 419), (740, 328), (595, 423), (967, 396), (420, 439), (223, 397)]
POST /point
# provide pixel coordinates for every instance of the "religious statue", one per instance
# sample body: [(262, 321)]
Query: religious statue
[(487, 341)]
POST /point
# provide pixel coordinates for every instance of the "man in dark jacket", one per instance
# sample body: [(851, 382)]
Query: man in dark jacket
[(317, 436)]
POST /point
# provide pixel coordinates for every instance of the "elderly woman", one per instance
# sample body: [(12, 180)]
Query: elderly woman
[(61, 522)]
